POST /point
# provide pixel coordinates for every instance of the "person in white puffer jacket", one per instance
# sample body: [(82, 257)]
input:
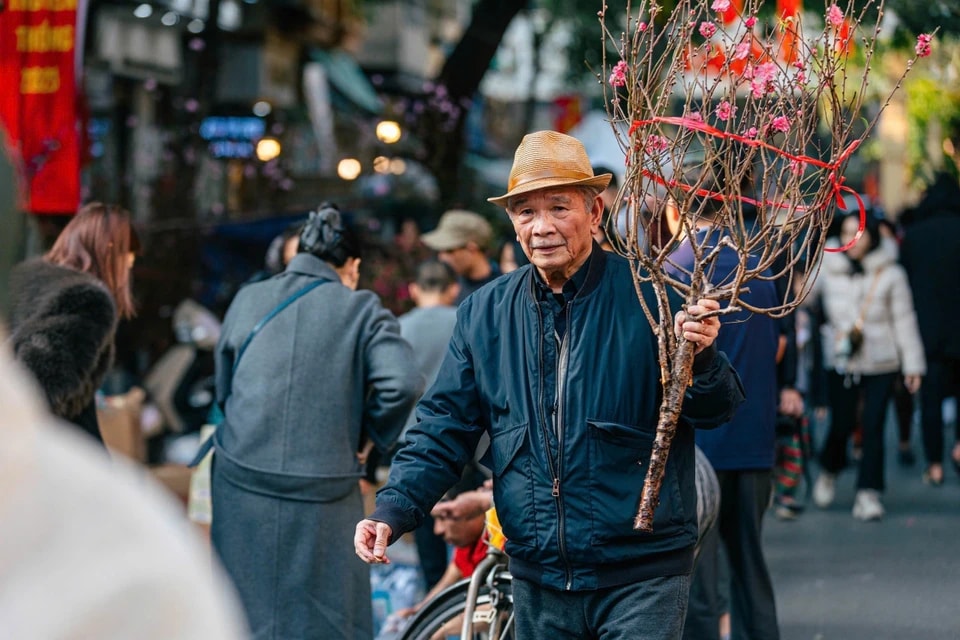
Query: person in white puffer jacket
[(869, 337)]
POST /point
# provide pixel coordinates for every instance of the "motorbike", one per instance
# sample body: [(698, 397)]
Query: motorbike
[(181, 384)]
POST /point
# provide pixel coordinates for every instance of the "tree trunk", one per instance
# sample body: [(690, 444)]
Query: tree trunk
[(442, 130)]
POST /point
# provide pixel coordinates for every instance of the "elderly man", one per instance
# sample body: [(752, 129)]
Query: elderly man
[(557, 362), (462, 239)]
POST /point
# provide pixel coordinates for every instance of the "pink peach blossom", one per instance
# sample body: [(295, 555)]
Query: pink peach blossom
[(656, 143), (742, 51), (725, 111), (923, 45), (720, 6), (752, 20), (835, 15), (780, 123), (707, 29), (618, 77)]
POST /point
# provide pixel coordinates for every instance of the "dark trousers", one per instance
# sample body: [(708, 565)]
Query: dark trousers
[(941, 381), (744, 496), (844, 394), (650, 609)]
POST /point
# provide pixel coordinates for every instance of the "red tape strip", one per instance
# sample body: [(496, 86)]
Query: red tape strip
[(836, 181)]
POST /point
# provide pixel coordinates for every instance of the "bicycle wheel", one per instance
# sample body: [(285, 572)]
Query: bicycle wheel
[(446, 609), (708, 496)]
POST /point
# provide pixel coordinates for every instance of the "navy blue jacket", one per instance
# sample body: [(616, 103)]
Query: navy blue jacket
[(571, 431), (750, 340)]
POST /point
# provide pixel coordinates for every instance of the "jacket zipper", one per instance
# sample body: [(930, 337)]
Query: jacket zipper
[(559, 426), (551, 467)]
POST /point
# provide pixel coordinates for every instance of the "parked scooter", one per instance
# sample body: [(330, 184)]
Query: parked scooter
[(181, 384)]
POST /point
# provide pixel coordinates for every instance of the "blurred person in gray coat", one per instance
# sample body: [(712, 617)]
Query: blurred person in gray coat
[(428, 329), (308, 368)]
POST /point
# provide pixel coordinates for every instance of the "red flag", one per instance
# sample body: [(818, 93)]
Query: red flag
[(788, 8), (567, 113), (38, 103)]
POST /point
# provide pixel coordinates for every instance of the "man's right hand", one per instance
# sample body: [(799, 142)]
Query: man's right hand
[(370, 541)]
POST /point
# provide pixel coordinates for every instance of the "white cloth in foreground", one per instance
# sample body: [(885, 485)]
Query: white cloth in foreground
[(90, 548)]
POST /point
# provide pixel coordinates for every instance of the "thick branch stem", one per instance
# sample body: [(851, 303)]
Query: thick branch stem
[(680, 377)]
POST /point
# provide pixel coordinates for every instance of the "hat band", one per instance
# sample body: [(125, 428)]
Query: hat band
[(553, 173)]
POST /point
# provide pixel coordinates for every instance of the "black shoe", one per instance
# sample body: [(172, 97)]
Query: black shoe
[(906, 457)]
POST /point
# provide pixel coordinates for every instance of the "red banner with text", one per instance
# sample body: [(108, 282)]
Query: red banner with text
[(38, 99)]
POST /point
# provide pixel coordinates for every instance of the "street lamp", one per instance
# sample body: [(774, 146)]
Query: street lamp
[(349, 168), (268, 149), (381, 164), (388, 131)]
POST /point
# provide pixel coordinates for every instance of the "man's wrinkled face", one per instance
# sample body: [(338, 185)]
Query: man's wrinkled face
[(555, 228)]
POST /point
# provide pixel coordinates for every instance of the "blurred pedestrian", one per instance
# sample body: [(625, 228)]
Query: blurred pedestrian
[(511, 256), (610, 219), (462, 239), (428, 329), (65, 307), (870, 337), (930, 253), (742, 450), (307, 369), (280, 252)]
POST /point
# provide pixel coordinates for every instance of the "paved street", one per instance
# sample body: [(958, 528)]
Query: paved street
[(840, 579)]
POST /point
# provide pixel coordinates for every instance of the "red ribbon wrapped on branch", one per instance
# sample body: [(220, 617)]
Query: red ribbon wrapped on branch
[(835, 180)]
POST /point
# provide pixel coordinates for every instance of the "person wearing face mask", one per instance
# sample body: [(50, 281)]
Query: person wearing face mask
[(870, 337), (307, 368)]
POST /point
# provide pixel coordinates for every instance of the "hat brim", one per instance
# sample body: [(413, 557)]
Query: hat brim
[(600, 182), (442, 240)]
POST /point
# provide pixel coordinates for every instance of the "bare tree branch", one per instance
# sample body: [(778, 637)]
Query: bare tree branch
[(742, 128)]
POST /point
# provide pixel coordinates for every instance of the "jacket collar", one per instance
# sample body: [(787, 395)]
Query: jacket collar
[(311, 265), (590, 273)]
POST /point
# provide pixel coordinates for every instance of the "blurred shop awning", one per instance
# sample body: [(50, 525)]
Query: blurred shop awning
[(347, 79)]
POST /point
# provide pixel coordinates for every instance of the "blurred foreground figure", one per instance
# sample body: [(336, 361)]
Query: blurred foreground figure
[(90, 549)]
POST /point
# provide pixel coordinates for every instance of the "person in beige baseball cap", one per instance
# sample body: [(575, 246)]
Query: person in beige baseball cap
[(462, 239), (557, 363)]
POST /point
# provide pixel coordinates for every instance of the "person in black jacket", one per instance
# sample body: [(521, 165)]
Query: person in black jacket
[(557, 362), (930, 253), (65, 307)]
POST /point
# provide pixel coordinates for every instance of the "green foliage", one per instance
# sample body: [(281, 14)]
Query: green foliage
[(929, 103), (924, 16)]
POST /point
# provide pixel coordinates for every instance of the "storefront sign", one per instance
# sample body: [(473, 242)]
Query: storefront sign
[(38, 101)]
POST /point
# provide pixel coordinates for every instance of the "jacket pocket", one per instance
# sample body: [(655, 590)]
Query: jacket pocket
[(619, 459), (513, 484)]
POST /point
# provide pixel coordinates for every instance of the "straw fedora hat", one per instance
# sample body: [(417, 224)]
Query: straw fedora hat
[(550, 159)]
